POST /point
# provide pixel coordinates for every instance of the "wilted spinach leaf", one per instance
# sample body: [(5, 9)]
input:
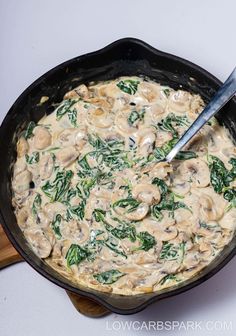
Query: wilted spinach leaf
[(57, 189), (135, 116), (167, 200), (130, 204), (72, 115), (34, 158), (76, 211), (56, 226), (76, 254), (36, 205), (172, 120), (65, 107), (220, 176), (29, 130), (108, 277), (147, 241), (169, 277), (128, 86)]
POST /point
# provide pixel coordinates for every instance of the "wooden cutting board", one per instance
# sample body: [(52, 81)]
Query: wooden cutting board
[(9, 256)]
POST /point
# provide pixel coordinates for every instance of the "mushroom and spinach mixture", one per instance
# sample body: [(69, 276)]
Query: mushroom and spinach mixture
[(94, 200)]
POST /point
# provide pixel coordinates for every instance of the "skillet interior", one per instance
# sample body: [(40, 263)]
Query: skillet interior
[(123, 57)]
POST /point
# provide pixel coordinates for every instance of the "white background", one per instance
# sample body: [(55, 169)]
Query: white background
[(37, 35)]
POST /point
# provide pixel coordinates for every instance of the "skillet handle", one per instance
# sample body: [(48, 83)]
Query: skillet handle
[(8, 255)]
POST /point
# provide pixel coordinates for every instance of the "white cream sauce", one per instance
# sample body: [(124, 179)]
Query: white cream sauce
[(94, 202)]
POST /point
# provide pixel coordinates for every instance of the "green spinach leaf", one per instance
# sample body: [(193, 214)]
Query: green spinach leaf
[(56, 226), (172, 120), (135, 116), (76, 254), (130, 204), (57, 189), (147, 241), (34, 158), (108, 277), (77, 211), (128, 86), (65, 107), (169, 277), (220, 176), (29, 130), (169, 251), (167, 200), (72, 115), (36, 205)]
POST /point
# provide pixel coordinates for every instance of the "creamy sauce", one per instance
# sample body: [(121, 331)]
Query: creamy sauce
[(95, 202)]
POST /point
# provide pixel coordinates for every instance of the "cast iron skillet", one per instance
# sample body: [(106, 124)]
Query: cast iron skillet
[(124, 57)]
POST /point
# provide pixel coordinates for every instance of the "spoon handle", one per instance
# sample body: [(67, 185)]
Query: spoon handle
[(221, 97)]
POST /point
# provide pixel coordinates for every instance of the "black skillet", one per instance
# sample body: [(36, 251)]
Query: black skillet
[(124, 57)]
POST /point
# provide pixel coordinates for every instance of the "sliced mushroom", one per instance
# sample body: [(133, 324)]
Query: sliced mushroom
[(42, 137), (21, 182), (196, 171), (183, 225), (164, 230), (192, 258), (80, 91), (143, 258), (122, 125), (170, 266), (145, 140), (180, 186), (57, 250), (166, 234), (19, 199), (49, 234), (206, 250), (198, 143), (99, 117), (38, 241), (190, 272), (151, 92), (151, 224), (228, 221), (52, 209), (22, 147), (209, 210), (43, 219), (99, 287), (139, 213), (46, 166), (161, 170), (196, 107), (155, 110), (77, 231), (22, 216), (210, 235), (179, 101), (19, 166), (182, 237), (153, 113), (123, 285), (147, 193), (66, 156), (73, 137)]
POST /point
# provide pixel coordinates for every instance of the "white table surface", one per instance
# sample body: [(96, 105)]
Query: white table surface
[(37, 35)]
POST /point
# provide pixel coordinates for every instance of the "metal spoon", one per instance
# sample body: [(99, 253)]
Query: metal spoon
[(222, 96)]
